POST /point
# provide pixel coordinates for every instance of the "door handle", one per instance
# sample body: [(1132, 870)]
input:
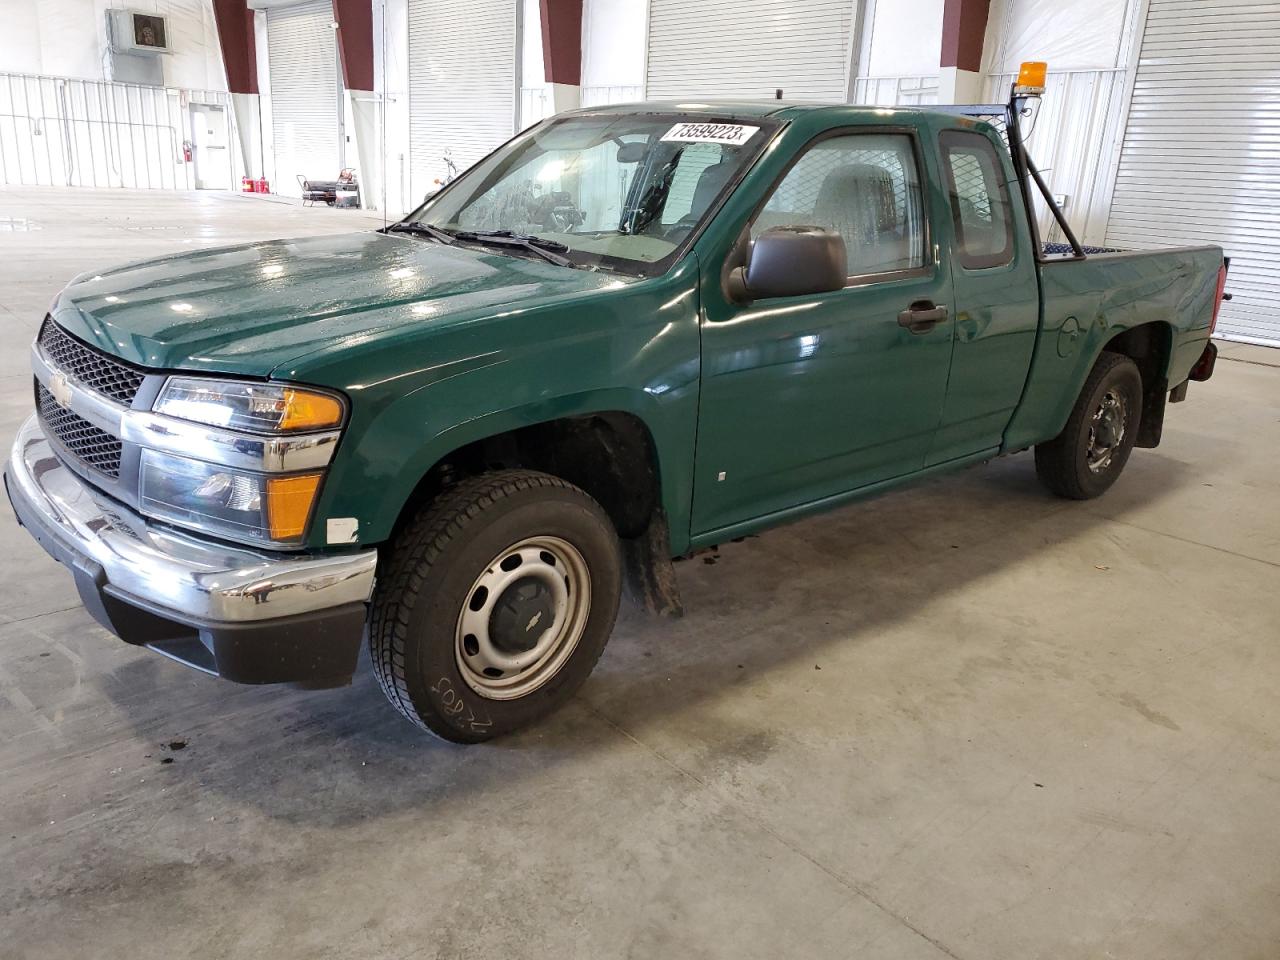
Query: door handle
[(922, 316)]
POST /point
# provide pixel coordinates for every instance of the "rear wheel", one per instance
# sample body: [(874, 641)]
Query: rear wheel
[(496, 604), (1087, 456)]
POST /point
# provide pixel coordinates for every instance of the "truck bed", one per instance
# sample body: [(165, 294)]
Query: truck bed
[(1087, 302)]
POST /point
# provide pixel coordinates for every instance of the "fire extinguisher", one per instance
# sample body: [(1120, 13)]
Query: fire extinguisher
[(186, 151)]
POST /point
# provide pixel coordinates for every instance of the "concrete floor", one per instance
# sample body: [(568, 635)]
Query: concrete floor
[(967, 720)]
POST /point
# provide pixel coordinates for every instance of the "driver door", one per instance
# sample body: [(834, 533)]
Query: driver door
[(809, 397)]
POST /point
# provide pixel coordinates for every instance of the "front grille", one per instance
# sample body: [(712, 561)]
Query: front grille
[(91, 446), (96, 370)]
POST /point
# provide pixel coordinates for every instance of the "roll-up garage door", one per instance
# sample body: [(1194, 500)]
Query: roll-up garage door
[(749, 49), (462, 83), (1201, 155), (302, 60)]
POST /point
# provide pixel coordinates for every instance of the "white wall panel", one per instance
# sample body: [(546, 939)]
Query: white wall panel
[(193, 34), (896, 91), (60, 132), (603, 96), (1200, 162), (462, 83), (391, 81), (749, 49), (67, 38), (1067, 34), (613, 44), (904, 38), (536, 99)]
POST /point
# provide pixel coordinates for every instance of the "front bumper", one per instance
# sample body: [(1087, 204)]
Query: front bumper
[(246, 615)]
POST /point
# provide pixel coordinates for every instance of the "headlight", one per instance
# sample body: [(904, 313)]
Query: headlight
[(253, 407), (236, 459), (237, 504)]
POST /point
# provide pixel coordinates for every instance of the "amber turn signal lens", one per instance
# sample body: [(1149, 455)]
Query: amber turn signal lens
[(289, 501), (1032, 74), (304, 410)]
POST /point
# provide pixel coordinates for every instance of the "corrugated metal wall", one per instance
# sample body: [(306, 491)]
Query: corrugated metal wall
[(462, 83), (1201, 155), (56, 131), (749, 49), (302, 56)]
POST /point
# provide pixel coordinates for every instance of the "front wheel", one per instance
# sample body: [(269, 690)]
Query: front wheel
[(497, 602), (1084, 460)]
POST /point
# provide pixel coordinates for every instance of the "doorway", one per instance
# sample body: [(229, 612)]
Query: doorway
[(209, 147)]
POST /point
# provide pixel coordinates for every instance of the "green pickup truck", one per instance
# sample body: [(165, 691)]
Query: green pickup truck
[(629, 333)]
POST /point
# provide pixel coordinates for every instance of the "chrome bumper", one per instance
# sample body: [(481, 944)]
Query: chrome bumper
[(214, 590)]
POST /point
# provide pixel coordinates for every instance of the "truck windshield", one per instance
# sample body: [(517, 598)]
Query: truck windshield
[(621, 192)]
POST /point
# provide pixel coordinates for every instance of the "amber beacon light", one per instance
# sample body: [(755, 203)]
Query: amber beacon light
[(1031, 78)]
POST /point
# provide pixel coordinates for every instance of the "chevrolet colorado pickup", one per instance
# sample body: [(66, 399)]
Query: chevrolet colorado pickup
[(628, 333)]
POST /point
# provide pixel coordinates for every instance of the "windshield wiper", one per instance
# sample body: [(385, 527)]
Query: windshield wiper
[(549, 250), (541, 243), (425, 229)]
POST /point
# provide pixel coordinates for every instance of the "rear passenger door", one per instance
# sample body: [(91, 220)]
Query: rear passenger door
[(808, 397), (997, 296)]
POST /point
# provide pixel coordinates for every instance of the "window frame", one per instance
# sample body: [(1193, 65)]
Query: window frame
[(928, 262), (954, 137)]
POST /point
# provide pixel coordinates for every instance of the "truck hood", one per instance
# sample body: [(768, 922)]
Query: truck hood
[(249, 309)]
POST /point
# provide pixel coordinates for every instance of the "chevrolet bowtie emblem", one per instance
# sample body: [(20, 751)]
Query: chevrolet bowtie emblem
[(60, 390)]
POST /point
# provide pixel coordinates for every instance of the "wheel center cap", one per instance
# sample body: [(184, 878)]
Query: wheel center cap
[(524, 612), (1108, 427), (1107, 433)]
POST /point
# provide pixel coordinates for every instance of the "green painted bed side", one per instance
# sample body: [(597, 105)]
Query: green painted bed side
[(1087, 303)]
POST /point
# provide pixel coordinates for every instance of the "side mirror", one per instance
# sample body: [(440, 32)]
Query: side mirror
[(791, 262)]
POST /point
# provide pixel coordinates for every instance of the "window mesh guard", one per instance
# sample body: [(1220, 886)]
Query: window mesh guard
[(997, 114)]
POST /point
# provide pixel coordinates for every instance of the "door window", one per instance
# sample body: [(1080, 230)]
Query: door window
[(979, 200), (864, 186)]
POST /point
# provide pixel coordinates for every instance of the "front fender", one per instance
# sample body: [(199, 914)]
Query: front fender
[(634, 349)]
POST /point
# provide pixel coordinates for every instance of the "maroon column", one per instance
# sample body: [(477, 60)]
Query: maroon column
[(964, 25), (234, 21), (355, 42), (562, 41)]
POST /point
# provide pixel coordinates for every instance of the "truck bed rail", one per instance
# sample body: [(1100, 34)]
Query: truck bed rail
[(1064, 249)]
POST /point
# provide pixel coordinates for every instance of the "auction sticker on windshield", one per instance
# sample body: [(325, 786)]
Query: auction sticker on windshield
[(731, 133)]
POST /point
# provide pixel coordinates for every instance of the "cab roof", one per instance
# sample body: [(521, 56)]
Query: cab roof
[(741, 109)]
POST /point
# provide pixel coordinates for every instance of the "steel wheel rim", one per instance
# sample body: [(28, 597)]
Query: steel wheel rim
[(1107, 430), (554, 572)]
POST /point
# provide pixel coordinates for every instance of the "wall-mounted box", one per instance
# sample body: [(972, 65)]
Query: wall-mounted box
[(137, 33)]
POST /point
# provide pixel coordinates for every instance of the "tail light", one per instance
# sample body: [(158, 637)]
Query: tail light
[(1218, 296)]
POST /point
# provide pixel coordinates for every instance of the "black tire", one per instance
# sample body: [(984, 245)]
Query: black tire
[(1063, 463), (431, 575)]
